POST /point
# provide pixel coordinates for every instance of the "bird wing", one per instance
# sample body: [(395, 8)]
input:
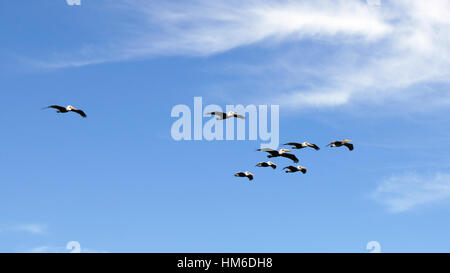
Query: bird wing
[(217, 113), (303, 170), (313, 146), (292, 168), (270, 151), (349, 146), (291, 157), (238, 116), (293, 144), (60, 108), (80, 112), (250, 177), (267, 150)]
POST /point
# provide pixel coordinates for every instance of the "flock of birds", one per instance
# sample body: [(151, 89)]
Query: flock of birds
[(272, 153), (285, 152)]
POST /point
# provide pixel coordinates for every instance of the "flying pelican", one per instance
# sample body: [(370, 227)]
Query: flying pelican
[(302, 145), (249, 175), (344, 142), (292, 169), (267, 164), (281, 152), (69, 108), (222, 115)]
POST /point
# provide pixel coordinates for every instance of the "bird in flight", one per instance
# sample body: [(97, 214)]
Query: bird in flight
[(267, 164), (222, 115), (249, 175), (281, 152), (302, 145), (70, 108), (344, 142), (292, 169)]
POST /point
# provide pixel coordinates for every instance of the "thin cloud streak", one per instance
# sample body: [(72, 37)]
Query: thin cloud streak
[(31, 228), (405, 192)]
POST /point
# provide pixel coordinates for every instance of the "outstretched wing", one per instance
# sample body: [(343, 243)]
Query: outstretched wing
[(292, 168), (236, 115), (313, 146), (270, 151), (349, 146), (293, 144), (57, 107), (267, 150), (291, 157), (217, 113), (80, 112)]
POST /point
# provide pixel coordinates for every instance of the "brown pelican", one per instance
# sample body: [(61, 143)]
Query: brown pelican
[(292, 169), (267, 164), (281, 152), (69, 108), (344, 142), (222, 115), (249, 175), (302, 145)]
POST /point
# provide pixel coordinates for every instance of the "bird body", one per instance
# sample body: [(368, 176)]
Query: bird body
[(267, 164), (222, 115), (70, 108), (247, 174), (340, 143), (302, 145), (281, 152), (293, 169)]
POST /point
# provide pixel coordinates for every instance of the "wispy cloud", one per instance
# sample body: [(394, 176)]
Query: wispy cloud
[(52, 249), (200, 27), (405, 192), (31, 228), (379, 50)]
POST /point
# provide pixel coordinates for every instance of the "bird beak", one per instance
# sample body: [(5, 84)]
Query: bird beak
[(287, 150)]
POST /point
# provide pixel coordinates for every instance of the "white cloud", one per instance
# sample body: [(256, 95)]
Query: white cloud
[(31, 228), (378, 52), (405, 192), (50, 249), (374, 2), (200, 27)]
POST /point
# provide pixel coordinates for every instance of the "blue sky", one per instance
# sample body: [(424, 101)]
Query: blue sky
[(117, 182)]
